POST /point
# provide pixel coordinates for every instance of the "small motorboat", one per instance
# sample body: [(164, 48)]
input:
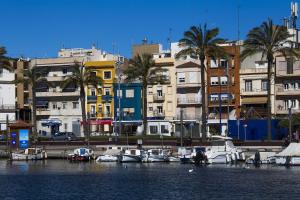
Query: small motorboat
[(81, 154), (222, 151), (198, 155), (261, 158), (290, 156), (30, 154), (155, 155), (110, 155), (185, 154), (131, 155)]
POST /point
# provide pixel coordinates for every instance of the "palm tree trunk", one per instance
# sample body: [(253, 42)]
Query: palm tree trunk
[(83, 111), (144, 96), (203, 99), (270, 62), (33, 118)]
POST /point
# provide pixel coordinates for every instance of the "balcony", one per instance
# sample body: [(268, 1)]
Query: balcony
[(224, 102), (91, 99), (58, 93), (217, 116), (106, 98), (7, 108), (188, 85), (55, 78), (253, 92), (41, 112), (188, 101), (158, 113), (158, 97), (283, 73), (282, 91)]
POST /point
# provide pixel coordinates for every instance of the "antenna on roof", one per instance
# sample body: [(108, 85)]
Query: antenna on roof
[(169, 38), (145, 40)]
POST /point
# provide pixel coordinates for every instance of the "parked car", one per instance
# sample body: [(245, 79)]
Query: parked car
[(65, 136)]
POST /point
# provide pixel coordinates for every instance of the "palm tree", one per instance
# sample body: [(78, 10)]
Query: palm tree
[(82, 78), (268, 40), (142, 68), (4, 61), (32, 77), (201, 43)]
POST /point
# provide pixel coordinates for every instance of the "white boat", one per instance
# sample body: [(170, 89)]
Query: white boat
[(261, 158), (222, 151), (131, 155), (30, 154), (185, 154), (81, 154), (110, 155), (155, 155), (289, 156)]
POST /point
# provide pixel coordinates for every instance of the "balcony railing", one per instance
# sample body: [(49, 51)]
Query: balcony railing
[(106, 98), (58, 93), (290, 91), (158, 97), (224, 102), (158, 113), (186, 101), (92, 98), (43, 112), (7, 107), (254, 91)]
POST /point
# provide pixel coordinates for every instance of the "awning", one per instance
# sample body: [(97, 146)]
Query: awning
[(254, 100), (135, 122), (51, 122), (98, 122)]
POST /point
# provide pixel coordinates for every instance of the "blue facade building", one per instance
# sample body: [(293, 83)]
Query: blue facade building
[(131, 106)]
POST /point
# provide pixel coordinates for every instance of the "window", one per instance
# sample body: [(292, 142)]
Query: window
[(293, 103), (130, 93), (264, 85), (65, 70), (160, 109), (181, 77), (106, 91), (75, 105), (64, 105), (93, 109), (150, 91), (164, 129), (94, 74), (214, 97), (150, 108), (128, 111), (214, 80), (153, 129), (223, 80), (93, 92), (54, 105), (293, 86), (223, 63), (286, 104), (107, 109), (159, 93), (119, 93), (107, 75), (193, 77), (286, 86), (289, 65), (99, 108), (65, 127), (213, 63), (248, 85)]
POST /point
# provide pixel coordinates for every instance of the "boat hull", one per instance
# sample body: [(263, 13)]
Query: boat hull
[(107, 158), (130, 158), (17, 156), (288, 160)]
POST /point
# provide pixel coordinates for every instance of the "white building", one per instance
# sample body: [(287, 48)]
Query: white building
[(7, 96)]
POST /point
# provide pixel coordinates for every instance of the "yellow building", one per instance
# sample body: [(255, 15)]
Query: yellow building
[(99, 103)]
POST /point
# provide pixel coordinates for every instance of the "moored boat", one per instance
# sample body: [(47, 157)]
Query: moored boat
[(110, 155), (222, 151), (30, 154), (290, 156), (155, 155), (185, 154), (131, 155), (81, 154)]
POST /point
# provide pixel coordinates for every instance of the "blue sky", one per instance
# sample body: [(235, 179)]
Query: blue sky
[(39, 28)]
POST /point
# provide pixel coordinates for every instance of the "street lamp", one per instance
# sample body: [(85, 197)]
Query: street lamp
[(118, 65)]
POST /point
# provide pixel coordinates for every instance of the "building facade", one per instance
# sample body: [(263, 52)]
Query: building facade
[(223, 89), (7, 96), (130, 100), (57, 108), (100, 101)]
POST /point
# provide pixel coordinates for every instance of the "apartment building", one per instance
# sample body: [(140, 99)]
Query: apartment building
[(100, 101), (130, 99), (223, 88), (254, 86), (57, 108), (287, 86), (162, 98), (7, 96), (188, 91)]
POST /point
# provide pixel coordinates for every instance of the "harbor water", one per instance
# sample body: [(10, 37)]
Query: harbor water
[(60, 179)]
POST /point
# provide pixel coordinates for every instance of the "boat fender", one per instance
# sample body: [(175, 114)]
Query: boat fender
[(257, 158), (288, 161)]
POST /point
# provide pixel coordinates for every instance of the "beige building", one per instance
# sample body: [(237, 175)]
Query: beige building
[(162, 98), (253, 87), (287, 86)]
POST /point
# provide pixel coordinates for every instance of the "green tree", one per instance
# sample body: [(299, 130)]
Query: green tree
[(201, 43), (82, 77), (268, 40), (142, 68), (4, 60)]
